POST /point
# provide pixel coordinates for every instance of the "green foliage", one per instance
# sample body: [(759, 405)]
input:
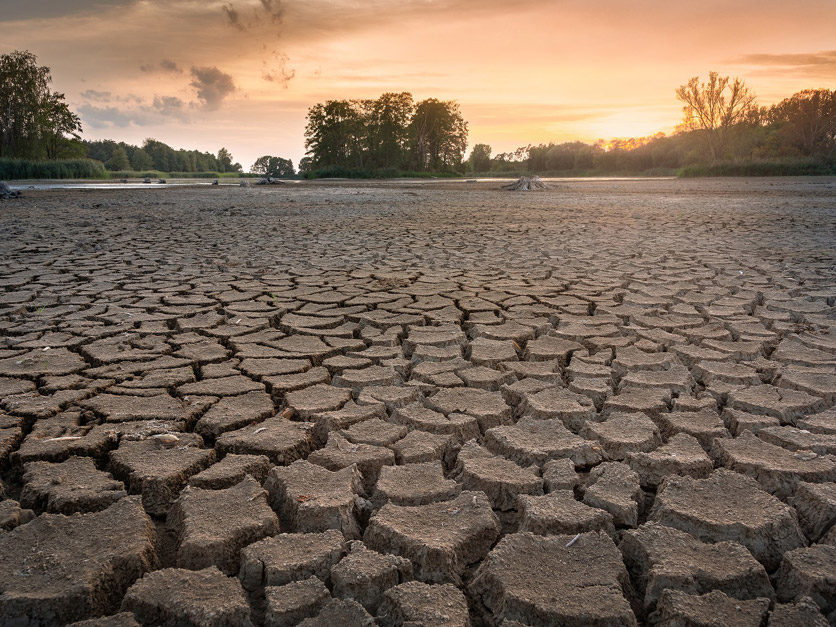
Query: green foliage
[(330, 172), (155, 155), (57, 169), (789, 167), (35, 122), (480, 158), (275, 167), (389, 132)]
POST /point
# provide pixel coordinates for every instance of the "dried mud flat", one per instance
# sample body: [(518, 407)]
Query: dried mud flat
[(610, 403)]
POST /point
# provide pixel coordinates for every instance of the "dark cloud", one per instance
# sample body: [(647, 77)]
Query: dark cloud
[(108, 117), (233, 19), (14, 10), (274, 8), (100, 96), (826, 57), (212, 86), (170, 106), (166, 65), (280, 72)]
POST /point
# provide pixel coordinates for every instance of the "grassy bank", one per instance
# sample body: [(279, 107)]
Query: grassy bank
[(795, 167), (11, 169)]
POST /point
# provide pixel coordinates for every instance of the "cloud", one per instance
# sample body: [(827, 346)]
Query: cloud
[(170, 106), (826, 57), (15, 10), (166, 65), (212, 86), (274, 8), (232, 16), (811, 64), (92, 94), (280, 73), (106, 117)]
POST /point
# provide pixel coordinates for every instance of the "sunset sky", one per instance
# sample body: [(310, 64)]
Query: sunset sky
[(242, 74)]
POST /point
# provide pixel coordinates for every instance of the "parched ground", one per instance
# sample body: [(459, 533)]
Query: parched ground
[(609, 403)]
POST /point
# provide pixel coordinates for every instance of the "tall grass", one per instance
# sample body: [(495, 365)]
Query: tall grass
[(794, 167), (11, 169)]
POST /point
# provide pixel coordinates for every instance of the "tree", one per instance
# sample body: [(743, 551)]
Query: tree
[(305, 165), (808, 120), (438, 135), (34, 121), (224, 160), (274, 167), (480, 158), (387, 124), (118, 160), (714, 107), (141, 160), (335, 133)]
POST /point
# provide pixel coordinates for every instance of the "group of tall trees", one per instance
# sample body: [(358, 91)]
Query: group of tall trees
[(35, 122), (390, 132), (155, 155), (721, 123)]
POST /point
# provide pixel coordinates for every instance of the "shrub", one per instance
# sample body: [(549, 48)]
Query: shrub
[(11, 169)]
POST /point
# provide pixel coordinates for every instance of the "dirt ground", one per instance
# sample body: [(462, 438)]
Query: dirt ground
[(423, 403)]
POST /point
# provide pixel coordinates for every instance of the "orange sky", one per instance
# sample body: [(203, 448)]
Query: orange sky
[(242, 73)]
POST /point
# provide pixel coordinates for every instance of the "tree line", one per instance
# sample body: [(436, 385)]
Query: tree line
[(390, 133), (723, 130), (155, 155)]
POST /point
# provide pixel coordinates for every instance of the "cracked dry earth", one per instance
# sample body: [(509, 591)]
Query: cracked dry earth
[(610, 403)]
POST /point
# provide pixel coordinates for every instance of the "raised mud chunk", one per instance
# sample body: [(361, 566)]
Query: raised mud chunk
[(364, 575), (501, 479), (488, 408), (375, 432), (784, 404), (291, 603), (715, 608), (235, 412), (12, 515), (534, 441), (560, 513), (281, 440), (416, 416), (775, 468), (118, 408), (213, 526), (58, 568), (555, 580), (287, 557), (75, 485), (816, 507), (159, 467), (559, 474), (422, 446), (811, 572), (122, 619), (418, 603), (682, 455), (729, 506), (704, 425), (803, 613), (441, 539), (558, 403), (343, 612), (231, 470), (621, 434), (414, 484), (174, 596), (615, 488), (316, 399), (661, 558), (310, 498), (339, 453)]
